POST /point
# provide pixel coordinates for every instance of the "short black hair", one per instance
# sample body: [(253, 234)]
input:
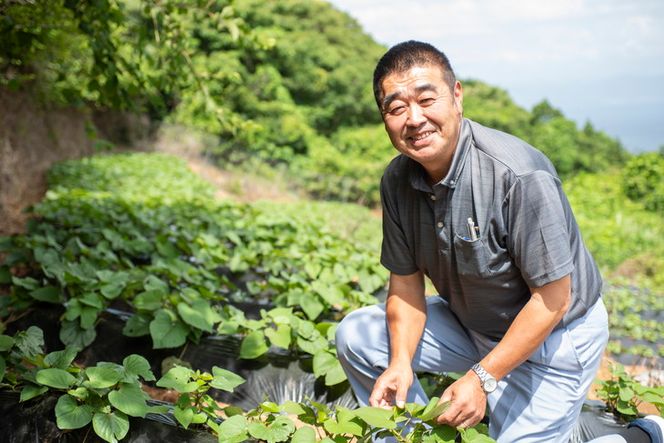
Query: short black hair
[(403, 56)]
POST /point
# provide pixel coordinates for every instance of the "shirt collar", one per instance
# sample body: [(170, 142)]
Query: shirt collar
[(418, 176)]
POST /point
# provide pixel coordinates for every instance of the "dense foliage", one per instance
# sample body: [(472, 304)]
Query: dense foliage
[(285, 83), (143, 232), (107, 394)]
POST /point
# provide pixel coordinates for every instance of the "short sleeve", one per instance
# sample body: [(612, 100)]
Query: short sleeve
[(395, 255), (538, 236)]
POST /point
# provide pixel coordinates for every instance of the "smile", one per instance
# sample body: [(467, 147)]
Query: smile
[(421, 136)]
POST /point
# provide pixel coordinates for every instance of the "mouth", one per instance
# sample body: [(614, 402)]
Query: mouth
[(415, 138)]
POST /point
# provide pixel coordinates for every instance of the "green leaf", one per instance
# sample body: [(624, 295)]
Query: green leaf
[(31, 391), (342, 427), (92, 300), (60, 359), (199, 315), (28, 283), (335, 375), (323, 363), (293, 408), (88, 317), (71, 334), (166, 331), (110, 427), (149, 300), (101, 377), (279, 430), (311, 306), (376, 417), (137, 366), (253, 345), (442, 434), (55, 378), (183, 415), (137, 325), (49, 294), (5, 275), (225, 380), (3, 367), (112, 290), (626, 394), (130, 399), (233, 429), (280, 337), (80, 393), (30, 342), (305, 434), (433, 409), (69, 415), (6, 343), (152, 283), (178, 378)]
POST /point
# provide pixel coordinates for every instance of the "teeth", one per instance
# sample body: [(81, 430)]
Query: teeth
[(423, 135)]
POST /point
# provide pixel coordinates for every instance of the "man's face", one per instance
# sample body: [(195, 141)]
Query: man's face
[(422, 116)]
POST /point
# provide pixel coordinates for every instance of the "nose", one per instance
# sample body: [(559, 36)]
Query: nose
[(416, 115)]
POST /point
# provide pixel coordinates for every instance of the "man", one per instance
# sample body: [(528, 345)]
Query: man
[(483, 215)]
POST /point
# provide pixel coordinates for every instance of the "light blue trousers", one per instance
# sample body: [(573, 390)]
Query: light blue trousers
[(539, 401)]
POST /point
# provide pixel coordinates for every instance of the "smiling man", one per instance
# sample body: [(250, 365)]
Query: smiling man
[(483, 215)]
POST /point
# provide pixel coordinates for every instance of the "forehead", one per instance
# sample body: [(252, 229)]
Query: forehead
[(413, 79)]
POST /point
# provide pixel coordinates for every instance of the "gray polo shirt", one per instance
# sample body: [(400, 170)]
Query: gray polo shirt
[(527, 234)]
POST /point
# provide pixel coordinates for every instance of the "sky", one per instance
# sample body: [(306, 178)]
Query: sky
[(596, 60)]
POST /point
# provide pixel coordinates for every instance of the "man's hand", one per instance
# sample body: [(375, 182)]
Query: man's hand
[(392, 386), (467, 402)]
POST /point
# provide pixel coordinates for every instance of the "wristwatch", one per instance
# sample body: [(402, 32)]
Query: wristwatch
[(487, 381)]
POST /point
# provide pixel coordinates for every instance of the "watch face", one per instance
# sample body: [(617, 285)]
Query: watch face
[(490, 385)]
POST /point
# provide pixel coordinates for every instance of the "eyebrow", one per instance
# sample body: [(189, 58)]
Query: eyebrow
[(419, 89)]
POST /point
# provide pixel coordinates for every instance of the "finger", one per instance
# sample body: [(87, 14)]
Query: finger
[(401, 394)]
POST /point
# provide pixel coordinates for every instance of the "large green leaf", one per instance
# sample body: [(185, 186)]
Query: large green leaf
[(280, 337), (376, 417), (433, 409), (305, 434), (55, 378), (225, 380), (71, 334), (31, 391), (335, 375), (137, 325), (50, 294), (167, 331), (60, 359), (70, 415), (149, 300), (30, 342), (137, 366), (6, 343), (102, 377), (130, 399), (113, 289), (233, 429), (110, 427), (178, 378), (184, 416), (279, 430), (199, 315), (323, 363), (342, 427), (253, 345)]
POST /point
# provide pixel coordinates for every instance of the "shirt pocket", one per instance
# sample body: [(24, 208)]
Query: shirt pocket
[(472, 257)]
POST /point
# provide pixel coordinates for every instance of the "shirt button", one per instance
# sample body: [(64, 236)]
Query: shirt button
[(452, 182), (432, 196), (440, 224)]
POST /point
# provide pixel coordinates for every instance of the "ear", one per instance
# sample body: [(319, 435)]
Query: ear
[(458, 97)]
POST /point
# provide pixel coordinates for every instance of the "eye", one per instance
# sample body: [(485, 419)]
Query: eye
[(396, 109), (427, 101)]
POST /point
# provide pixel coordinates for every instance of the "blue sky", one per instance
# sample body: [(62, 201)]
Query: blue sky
[(597, 60)]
